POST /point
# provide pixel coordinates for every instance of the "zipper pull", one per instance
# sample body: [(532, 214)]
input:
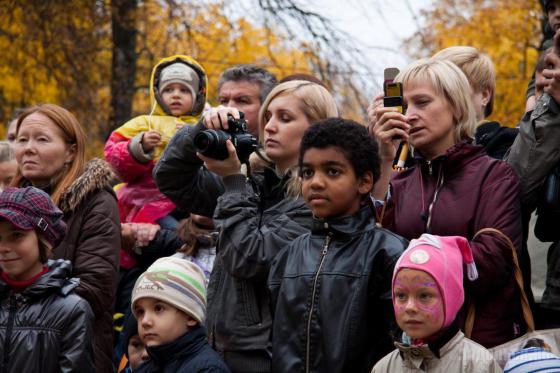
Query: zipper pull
[(327, 243), (430, 167)]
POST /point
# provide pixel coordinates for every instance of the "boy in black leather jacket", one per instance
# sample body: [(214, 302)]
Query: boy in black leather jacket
[(44, 325), (331, 288)]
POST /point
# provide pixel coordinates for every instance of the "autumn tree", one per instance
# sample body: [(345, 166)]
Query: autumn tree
[(95, 57), (509, 31), (51, 53)]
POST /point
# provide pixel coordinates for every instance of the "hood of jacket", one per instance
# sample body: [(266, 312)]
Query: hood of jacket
[(56, 279), (156, 101), (97, 175)]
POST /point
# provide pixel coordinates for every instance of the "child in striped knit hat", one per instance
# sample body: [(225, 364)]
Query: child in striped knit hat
[(169, 302)]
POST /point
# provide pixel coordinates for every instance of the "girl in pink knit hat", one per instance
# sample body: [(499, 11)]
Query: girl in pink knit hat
[(427, 296)]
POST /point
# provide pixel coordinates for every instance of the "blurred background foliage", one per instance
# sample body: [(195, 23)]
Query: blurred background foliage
[(94, 57)]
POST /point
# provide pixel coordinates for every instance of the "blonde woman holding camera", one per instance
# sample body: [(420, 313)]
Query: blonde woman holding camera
[(453, 189), (257, 216)]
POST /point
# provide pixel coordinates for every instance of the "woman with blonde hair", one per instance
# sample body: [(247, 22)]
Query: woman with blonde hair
[(453, 188), (50, 150), (256, 215), (479, 71)]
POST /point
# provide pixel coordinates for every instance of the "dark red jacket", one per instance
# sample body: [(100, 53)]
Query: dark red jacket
[(474, 191)]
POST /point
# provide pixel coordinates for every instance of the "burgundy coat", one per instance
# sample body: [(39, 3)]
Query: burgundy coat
[(475, 192)]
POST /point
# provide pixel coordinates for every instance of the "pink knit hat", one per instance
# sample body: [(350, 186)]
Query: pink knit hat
[(442, 258)]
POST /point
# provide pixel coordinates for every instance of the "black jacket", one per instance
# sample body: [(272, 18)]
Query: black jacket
[(256, 221), (331, 295), (46, 327), (189, 353), (495, 139)]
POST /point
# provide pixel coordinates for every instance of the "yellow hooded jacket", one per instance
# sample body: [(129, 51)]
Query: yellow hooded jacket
[(139, 198)]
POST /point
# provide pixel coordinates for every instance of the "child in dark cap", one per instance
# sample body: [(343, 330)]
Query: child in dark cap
[(44, 325)]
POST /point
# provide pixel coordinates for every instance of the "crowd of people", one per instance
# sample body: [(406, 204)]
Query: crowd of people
[(271, 234)]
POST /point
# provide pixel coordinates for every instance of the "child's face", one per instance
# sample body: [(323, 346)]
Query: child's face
[(7, 173), (19, 252), (159, 322), (177, 97), (137, 353), (418, 303), (330, 185), (553, 14)]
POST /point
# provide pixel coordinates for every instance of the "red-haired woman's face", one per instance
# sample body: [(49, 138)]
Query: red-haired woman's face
[(41, 150)]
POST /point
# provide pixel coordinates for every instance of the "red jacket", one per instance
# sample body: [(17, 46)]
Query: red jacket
[(474, 191)]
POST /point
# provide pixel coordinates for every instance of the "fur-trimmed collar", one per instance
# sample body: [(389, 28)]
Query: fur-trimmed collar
[(97, 175)]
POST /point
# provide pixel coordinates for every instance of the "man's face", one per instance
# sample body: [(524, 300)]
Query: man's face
[(553, 14), (244, 96)]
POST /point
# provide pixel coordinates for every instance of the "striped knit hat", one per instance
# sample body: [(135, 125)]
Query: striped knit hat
[(176, 281)]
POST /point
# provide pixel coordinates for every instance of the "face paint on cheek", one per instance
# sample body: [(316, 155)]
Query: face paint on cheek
[(433, 312), (399, 309)]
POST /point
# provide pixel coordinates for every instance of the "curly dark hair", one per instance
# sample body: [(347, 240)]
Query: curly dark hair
[(350, 137)]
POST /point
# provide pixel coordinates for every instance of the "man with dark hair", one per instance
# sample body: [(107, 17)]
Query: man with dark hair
[(245, 87)]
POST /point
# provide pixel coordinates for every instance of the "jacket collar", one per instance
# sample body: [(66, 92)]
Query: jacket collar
[(187, 344), (485, 131), (416, 355), (56, 279), (97, 175), (437, 344), (453, 160), (348, 225)]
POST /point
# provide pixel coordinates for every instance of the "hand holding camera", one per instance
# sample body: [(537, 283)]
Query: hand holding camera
[(226, 143), (225, 124)]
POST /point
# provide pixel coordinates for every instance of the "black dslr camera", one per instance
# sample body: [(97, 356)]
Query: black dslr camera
[(212, 143)]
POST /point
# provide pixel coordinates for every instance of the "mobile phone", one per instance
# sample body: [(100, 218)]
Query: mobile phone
[(393, 97), (392, 91)]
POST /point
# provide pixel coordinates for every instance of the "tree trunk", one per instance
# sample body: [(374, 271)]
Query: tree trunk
[(123, 68)]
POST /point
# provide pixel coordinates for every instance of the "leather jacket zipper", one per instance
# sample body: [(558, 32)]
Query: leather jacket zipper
[(308, 337), (430, 168), (7, 341)]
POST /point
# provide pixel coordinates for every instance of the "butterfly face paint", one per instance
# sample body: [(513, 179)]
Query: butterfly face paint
[(418, 303)]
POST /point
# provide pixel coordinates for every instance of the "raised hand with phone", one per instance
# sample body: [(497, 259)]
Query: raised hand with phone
[(388, 124)]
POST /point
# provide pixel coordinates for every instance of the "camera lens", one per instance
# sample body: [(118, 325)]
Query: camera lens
[(203, 141), (212, 143)]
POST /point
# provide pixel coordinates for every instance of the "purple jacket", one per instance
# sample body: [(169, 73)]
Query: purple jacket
[(458, 194)]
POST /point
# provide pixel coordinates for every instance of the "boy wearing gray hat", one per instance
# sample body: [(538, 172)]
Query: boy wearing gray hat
[(169, 302)]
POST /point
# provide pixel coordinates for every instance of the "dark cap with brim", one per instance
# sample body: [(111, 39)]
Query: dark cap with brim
[(30, 208)]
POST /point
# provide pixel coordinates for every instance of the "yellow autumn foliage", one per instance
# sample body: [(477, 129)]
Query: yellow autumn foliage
[(507, 30), (215, 42), (61, 52)]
